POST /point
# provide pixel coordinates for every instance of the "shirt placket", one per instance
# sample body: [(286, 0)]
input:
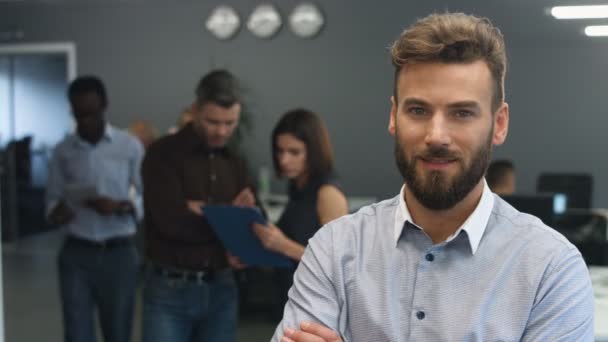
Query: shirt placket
[(211, 198), (93, 170), (421, 314)]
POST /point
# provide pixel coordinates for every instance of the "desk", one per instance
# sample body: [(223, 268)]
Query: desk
[(275, 204), (599, 279), (604, 213)]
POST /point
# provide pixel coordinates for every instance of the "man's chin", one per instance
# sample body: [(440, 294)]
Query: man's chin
[(442, 177), (217, 144), (436, 183)]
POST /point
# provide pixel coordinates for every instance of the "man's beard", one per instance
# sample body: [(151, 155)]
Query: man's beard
[(436, 191)]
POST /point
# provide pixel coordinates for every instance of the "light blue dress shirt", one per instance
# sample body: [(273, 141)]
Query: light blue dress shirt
[(503, 276), (111, 167)]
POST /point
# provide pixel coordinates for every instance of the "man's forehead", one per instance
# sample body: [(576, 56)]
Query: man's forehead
[(462, 82), (214, 110), (479, 66), (212, 107), (90, 97)]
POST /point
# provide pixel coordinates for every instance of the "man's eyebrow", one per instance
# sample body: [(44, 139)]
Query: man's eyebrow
[(465, 104), (414, 101)]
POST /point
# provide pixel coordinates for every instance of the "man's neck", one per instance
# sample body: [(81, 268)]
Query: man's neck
[(441, 224), (92, 139)]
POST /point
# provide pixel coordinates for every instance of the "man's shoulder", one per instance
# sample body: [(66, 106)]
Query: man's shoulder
[(64, 145), (123, 139), (165, 144), (122, 134), (373, 219), (518, 228)]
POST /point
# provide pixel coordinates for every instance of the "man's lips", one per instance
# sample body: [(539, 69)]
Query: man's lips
[(217, 139), (438, 163)]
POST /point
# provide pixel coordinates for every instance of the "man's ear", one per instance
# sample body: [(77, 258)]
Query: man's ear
[(501, 124)]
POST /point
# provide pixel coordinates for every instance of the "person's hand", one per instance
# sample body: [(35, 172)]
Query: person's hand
[(125, 208), (103, 205), (196, 207), (271, 236), (245, 198), (235, 262), (61, 214), (310, 332)]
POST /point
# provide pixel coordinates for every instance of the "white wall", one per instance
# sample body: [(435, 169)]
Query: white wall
[(4, 101)]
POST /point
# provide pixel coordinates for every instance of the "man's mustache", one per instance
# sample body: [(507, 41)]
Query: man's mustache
[(438, 153)]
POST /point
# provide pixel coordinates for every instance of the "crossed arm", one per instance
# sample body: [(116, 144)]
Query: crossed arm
[(315, 310), (310, 332)]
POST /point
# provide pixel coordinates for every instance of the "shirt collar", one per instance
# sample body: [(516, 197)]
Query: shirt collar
[(474, 225), (108, 135), (109, 132)]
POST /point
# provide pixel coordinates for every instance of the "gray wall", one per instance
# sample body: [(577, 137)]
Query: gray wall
[(151, 53)]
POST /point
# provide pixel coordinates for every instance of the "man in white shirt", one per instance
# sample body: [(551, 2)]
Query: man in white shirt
[(446, 259)]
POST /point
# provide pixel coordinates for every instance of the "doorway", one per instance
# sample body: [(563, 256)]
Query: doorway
[(34, 116)]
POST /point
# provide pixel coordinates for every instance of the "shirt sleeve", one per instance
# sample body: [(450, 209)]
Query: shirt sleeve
[(313, 296), (55, 183), (564, 306), (164, 201), (135, 180)]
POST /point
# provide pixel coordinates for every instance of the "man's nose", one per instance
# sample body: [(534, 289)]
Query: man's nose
[(438, 131), (222, 130)]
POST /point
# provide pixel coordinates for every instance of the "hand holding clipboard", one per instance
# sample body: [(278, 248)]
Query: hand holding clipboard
[(232, 225)]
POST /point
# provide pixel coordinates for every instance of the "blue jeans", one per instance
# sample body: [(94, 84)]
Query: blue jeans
[(97, 278), (181, 310)]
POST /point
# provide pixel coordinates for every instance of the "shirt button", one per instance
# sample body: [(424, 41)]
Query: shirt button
[(420, 315), (213, 177), (430, 257)]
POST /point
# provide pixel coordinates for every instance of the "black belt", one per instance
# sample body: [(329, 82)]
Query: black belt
[(187, 275), (105, 244)]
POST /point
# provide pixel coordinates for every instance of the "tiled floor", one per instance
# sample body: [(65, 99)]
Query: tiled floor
[(31, 296)]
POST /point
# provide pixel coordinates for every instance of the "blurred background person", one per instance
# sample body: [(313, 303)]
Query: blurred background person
[(144, 131), (185, 117), (302, 154), (190, 294), (501, 177), (98, 261)]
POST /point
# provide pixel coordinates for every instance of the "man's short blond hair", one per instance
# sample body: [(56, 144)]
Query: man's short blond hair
[(453, 38)]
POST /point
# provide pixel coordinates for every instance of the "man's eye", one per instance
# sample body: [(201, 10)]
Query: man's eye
[(417, 111), (464, 114)]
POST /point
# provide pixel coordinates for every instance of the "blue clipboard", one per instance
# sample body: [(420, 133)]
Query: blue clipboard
[(232, 225)]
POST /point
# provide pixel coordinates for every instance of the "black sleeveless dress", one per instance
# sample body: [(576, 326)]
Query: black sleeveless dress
[(299, 221)]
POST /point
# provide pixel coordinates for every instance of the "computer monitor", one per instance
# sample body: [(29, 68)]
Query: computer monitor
[(577, 187), (560, 203), (539, 205)]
